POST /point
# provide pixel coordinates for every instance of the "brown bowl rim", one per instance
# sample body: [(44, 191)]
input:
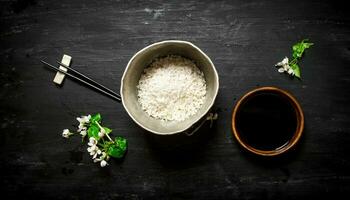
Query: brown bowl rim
[(296, 136)]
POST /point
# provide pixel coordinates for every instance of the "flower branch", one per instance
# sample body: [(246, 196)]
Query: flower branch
[(100, 149)]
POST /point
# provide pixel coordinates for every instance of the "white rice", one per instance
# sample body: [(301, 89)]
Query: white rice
[(171, 88)]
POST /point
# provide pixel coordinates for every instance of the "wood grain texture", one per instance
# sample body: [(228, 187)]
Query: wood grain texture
[(243, 38)]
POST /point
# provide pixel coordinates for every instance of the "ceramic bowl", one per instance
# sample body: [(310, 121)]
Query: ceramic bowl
[(299, 118), (144, 58)]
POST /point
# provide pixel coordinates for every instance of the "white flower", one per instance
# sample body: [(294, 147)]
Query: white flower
[(284, 66), (81, 127), (101, 133), (82, 121), (92, 142), (83, 133), (102, 130), (93, 148), (290, 71), (283, 62), (102, 157), (103, 163), (66, 133), (94, 151), (98, 152)]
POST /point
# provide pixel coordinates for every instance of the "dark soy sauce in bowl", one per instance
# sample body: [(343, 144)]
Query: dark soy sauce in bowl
[(266, 121)]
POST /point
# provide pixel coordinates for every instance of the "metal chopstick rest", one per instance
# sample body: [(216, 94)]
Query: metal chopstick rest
[(107, 92)]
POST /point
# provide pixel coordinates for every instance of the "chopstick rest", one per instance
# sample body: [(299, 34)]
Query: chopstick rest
[(83, 79), (59, 77)]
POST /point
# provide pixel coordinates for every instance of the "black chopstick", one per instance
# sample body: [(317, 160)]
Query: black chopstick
[(88, 78), (81, 80)]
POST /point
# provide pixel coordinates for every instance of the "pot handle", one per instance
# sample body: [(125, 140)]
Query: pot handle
[(210, 117)]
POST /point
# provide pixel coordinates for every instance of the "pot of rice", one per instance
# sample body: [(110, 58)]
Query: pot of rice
[(169, 87)]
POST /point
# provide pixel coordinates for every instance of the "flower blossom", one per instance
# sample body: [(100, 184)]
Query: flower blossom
[(102, 132), (93, 148), (92, 142), (83, 133), (103, 163), (284, 66), (66, 133), (102, 159), (83, 120)]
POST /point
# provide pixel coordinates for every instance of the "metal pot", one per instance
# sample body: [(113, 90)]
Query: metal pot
[(144, 58)]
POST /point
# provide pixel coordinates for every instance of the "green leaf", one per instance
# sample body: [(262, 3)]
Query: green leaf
[(121, 142), (118, 149), (93, 131), (307, 45), (299, 48), (96, 118), (297, 73), (108, 130), (305, 41), (296, 70), (115, 152), (295, 47), (297, 54)]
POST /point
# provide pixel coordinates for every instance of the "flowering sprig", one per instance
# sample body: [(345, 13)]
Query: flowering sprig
[(100, 149), (292, 67)]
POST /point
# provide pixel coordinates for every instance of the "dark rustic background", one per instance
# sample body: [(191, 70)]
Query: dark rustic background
[(243, 38)]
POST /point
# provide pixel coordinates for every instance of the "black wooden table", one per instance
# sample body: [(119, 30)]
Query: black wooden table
[(243, 38)]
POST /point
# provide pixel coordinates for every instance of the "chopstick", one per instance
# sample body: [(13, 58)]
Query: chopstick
[(103, 89), (88, 78)]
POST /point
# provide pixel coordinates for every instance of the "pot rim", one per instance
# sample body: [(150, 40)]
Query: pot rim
[(204, 113)]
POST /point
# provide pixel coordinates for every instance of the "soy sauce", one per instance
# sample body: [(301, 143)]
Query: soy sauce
[(266, 121)]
